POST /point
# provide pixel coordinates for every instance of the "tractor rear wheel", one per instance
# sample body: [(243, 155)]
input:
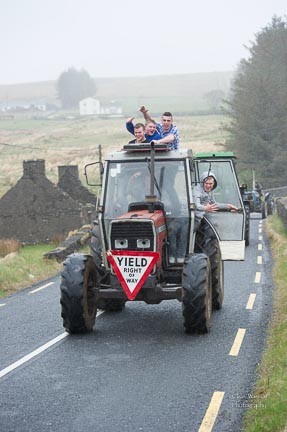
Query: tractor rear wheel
[(207, 243), (197, 294), (96, 247), (78, 293), (247, 225), (263, 210)]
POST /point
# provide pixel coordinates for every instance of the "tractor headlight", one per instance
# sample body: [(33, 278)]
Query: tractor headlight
[(143, 243), (121, 244)]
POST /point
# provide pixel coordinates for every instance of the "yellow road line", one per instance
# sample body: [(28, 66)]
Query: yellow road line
[(260, 246), (212, 412), (237, 342), (259, 259), (251, 301), (257, 277)]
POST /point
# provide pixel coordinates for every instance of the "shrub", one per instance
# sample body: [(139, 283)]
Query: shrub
[(8, 245)]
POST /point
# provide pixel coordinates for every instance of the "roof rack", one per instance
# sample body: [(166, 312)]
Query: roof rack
[(144, 147)]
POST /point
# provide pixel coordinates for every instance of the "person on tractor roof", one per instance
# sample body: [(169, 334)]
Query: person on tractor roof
[(151, 132), (140, 138), (166, 128)]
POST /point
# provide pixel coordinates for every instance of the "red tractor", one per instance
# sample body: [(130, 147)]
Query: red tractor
[(144, 246)]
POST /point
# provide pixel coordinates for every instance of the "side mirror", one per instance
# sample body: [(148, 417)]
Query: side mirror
[(94, 175)]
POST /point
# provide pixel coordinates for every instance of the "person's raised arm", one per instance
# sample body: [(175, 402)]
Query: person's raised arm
[(130, 125), (145, 113)]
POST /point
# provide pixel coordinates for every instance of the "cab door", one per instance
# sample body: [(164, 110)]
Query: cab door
[(228, 226)]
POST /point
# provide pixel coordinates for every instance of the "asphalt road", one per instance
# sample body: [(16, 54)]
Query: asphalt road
[(138, 371)]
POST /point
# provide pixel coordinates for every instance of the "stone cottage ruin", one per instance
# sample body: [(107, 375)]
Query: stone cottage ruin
[(70, 182), (35, 210)]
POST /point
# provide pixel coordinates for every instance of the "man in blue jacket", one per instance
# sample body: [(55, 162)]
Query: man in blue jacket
[(168, 131), (151, 132)]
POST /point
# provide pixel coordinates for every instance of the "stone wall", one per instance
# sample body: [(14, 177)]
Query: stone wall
[(277, 192), (281, 208), (35, 210)]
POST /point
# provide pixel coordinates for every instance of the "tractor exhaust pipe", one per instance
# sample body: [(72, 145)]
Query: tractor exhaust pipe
[(151, 198)]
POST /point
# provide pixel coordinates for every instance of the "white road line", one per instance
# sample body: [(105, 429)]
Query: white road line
[(33, 354), (41, 288), (237, 342), (259, 259), (2, 304), (251, 301), (260, 247), (38, 351), (260, 230), (212, 412), (257, 277), (260, 238)]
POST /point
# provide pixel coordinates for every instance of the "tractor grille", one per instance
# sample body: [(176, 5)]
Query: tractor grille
[(132, 232)]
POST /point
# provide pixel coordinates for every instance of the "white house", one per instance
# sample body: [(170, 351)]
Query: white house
[(89, 106)]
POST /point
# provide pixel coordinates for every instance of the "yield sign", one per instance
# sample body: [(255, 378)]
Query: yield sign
[(132, 268)]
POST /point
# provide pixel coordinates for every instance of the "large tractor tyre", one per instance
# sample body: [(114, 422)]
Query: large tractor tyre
[(96, 248), (263, 211), (269, 208), (78, 296), (197, 294), (111, 305), (206, 242), (247, 225)]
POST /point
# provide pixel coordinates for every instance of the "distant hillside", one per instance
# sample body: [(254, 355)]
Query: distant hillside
[(177, 93)]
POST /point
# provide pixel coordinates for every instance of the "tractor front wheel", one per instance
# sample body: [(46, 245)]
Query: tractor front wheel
[(78, 293)]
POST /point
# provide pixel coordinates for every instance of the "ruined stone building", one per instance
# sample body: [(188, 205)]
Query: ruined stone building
[(70, 182), (35, 210)]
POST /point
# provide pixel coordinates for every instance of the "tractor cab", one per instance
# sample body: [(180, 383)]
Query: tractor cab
[(140, 187)]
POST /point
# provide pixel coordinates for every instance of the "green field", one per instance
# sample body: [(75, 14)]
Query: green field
[(75, 141)]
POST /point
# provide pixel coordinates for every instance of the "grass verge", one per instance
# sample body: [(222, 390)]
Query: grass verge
[(26, 267), (269, 407)]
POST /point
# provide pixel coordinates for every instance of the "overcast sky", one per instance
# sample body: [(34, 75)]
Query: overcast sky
[(40, 39)]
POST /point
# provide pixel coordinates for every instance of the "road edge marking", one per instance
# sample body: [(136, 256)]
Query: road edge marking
[(41, 288), (31, 355), (211, 412), (257, 277), (237, 342), (251, 301)]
